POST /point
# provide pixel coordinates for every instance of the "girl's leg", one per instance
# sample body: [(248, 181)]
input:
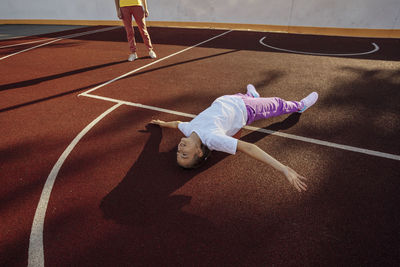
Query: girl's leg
[(251, 91), (130, 34), (262, 108), (138, 13)]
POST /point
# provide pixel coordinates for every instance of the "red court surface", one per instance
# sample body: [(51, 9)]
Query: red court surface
[(85, 181)]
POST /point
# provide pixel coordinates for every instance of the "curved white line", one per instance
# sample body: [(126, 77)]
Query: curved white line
[(36, 251), (376, 48)]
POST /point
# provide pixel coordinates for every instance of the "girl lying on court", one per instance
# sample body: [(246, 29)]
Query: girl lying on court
[(214, 127)]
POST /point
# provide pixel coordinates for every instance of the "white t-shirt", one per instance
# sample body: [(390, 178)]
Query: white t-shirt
[(218, 123)]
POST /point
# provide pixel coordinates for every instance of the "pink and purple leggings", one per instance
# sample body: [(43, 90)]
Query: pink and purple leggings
[(266, 107)]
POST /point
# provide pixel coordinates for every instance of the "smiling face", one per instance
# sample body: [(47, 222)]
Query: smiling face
[(187, 151)]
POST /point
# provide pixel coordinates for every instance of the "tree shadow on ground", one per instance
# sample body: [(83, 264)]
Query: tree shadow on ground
[(363, 111), (354, 210)]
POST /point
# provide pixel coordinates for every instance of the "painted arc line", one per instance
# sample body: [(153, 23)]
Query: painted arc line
[(59, 39), (152, 63), (285, 135), (36, 249), (376, 48)]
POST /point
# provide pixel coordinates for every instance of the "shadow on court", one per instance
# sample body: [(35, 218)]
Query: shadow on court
[(36, 81), (144, 199), (249, 40)]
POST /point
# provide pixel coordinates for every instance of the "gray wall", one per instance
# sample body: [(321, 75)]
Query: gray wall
[(372, 14)]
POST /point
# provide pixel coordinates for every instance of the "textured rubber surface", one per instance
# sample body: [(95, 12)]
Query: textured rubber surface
[(120, 199)]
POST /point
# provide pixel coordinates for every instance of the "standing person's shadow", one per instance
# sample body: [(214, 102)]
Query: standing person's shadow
[(144, 199)]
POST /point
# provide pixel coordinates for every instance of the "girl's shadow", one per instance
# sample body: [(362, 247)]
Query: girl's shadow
[(144, 200), (144, 195)]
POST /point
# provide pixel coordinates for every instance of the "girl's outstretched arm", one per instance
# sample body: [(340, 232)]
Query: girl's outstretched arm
[(167, 124), (257, 153)]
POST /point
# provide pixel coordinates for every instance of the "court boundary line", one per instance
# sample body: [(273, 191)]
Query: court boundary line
[(252, 128), (69, 36), (152, 63), (25, 43), (376, 48)]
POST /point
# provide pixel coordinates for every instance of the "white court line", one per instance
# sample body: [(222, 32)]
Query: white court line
[(31, 42), (36, 251), (251, 128), (328, 144), (12, 37), (141, 105), (25, 50), (59, 39), (152, 63), (376, 48)]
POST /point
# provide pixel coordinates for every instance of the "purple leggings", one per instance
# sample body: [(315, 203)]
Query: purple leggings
[(265, 107)]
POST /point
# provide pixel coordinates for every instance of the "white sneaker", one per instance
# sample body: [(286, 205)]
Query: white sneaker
[(132, 57), (308, 101), (152, 54), (251, 90)]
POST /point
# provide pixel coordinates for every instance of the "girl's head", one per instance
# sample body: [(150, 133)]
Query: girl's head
[(190, 154)]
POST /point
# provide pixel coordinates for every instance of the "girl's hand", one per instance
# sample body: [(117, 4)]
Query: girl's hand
[(158, 122), (119, 13), (146, 13), (169, 124), (295, 179)]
